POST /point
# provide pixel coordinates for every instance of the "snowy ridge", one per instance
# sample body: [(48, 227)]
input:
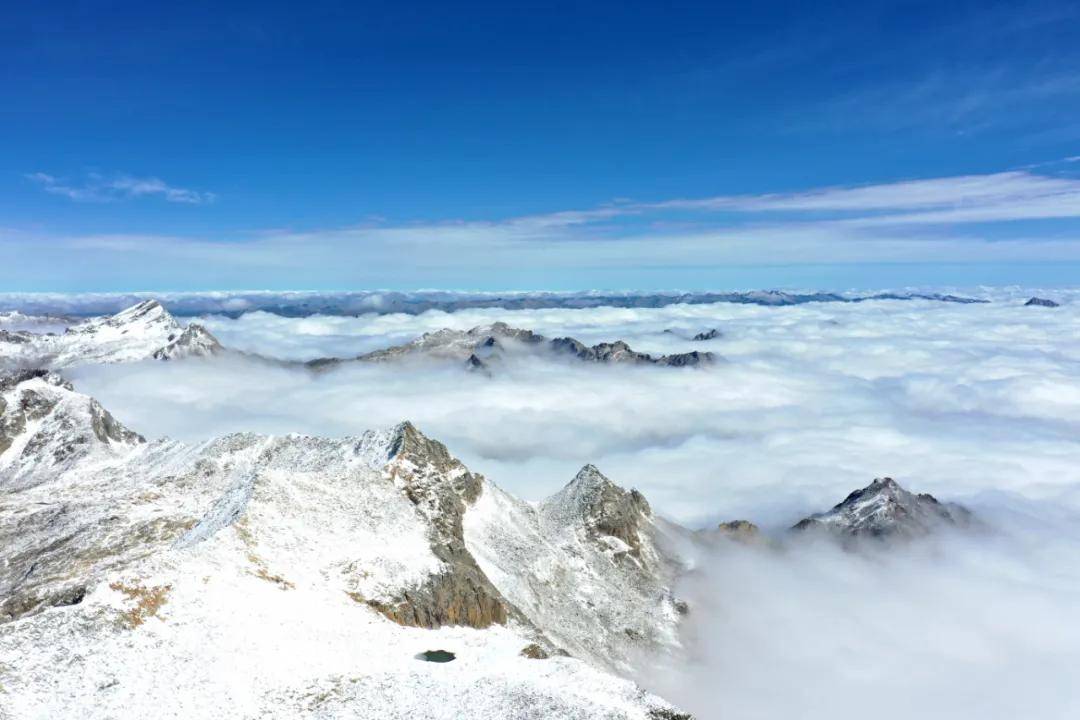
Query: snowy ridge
[(151, 566), (885, 509), (586, 565), (139, 332), (482, 346)]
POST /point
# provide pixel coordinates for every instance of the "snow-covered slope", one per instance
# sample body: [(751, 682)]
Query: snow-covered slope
[(885, 509), (139, 332), (587, 565), (276, 577)]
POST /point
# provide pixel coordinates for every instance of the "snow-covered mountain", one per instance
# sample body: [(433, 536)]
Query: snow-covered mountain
[(273, 577), (139, 332), (483, 345), (884, 509)]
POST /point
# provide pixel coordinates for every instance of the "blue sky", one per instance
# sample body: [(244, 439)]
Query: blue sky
[(625, 145)]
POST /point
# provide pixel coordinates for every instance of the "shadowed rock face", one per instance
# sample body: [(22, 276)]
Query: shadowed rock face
[(884, 509), (710, 334), (441, 487), (1040, 302)]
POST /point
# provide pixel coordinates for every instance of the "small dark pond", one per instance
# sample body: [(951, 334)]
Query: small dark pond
[(439, 656)]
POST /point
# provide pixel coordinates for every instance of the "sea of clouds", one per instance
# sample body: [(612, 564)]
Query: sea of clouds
[(974, 403)]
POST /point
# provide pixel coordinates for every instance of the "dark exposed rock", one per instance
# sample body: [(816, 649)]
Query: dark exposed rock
[(534, 652), (742, 531), (17, 605), (884, 509), (1040, 302), (441, 487), (710, 334), (476, 364), (617, 351), (689, 359)]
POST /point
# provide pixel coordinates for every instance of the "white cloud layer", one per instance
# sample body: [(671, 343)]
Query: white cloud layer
[(978, 404)]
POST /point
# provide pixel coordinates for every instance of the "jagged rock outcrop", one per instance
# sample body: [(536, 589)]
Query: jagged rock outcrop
[(742, 531), (195, 341), (46, 428), (481, 346), (441, 487), (710, 334), (1040, 302), (602, 508), (590, 565), (884, 509)]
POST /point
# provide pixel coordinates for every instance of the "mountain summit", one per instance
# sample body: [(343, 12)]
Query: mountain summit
[(142, 331), (885, 509)]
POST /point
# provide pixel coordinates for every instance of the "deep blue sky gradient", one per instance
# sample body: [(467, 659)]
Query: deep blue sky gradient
[(315, 115)]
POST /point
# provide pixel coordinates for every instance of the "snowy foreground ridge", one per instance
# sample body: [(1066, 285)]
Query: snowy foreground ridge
[(253, 576)]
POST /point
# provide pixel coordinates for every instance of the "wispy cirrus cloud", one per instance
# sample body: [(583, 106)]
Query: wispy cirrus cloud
[(98, 188), (1009, 217), (963, 198)]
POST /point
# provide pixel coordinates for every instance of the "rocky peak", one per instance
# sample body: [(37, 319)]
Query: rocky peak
[(441, 488), (147, 315), (45, 426), (884, 508), (742, 531), (603, 508), (1040, 302), (195, 341)]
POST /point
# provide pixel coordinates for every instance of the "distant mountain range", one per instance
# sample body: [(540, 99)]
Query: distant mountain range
[(302, 304), (148, 330)]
